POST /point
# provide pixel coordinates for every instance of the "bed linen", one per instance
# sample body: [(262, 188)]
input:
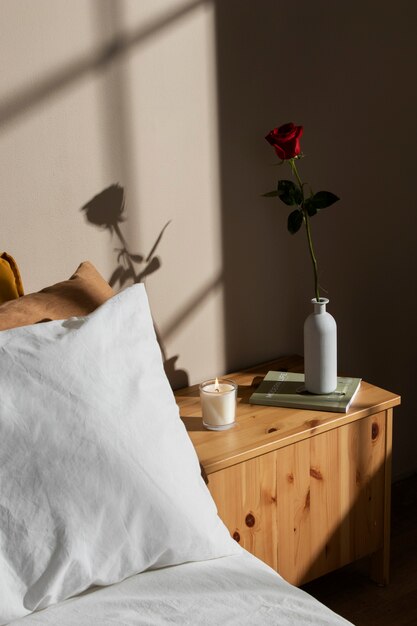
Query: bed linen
[(233, 590), (99, 479)]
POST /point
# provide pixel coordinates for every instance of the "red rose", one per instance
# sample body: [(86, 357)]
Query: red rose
[(286, 140)]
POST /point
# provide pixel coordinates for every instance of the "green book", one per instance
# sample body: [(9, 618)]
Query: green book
[(287, 389)]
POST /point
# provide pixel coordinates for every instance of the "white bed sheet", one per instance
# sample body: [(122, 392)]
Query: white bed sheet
[(234, 590)]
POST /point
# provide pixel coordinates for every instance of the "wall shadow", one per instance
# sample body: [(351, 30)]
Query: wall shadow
[(25, 99), (263, 274), (107, 211)]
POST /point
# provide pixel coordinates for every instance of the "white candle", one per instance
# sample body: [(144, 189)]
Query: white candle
[(218, 403)]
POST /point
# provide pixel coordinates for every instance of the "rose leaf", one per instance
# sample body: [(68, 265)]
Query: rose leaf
[(289, 193), (320, 200), (295, 220), (270, 194)]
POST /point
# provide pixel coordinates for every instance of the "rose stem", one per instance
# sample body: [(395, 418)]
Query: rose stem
[(308, 230)]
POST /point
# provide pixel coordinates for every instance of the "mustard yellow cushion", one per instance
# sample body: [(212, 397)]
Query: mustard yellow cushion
[(11, 286), (79, 295)]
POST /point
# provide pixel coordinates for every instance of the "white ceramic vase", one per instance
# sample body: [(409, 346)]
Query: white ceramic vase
[(320, 349)]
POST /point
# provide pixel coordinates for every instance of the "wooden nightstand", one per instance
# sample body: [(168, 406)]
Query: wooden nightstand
[(305, 491)]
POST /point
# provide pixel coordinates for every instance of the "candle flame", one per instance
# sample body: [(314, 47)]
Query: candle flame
[(216, 385)]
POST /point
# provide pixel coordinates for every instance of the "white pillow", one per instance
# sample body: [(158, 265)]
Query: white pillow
[(98, 477)]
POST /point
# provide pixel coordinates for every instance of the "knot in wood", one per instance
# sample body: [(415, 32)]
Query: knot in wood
[(316, 473), (250, 520), (312, 423), (375, 431), (236, 536)]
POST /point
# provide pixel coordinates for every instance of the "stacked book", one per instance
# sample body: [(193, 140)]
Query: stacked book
[(287, 389)]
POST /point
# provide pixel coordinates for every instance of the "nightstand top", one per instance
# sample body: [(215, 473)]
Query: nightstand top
[(261, 429)]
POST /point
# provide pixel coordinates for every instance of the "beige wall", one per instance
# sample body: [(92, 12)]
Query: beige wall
[(171, 99)]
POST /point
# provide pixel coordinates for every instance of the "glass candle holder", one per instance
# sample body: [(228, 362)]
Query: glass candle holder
[(218, 403)]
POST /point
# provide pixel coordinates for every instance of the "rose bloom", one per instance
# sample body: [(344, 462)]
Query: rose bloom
[(286, 140)]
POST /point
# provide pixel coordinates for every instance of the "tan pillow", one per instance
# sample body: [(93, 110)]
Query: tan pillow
[(81, 294)]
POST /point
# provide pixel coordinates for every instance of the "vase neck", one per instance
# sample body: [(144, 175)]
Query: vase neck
[(320, 305)]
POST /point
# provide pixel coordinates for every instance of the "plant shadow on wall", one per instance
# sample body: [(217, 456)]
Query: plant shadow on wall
[(106, 210)]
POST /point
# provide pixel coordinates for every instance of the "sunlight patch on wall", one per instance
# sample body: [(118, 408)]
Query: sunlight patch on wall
[(174, 175), (49, 137)]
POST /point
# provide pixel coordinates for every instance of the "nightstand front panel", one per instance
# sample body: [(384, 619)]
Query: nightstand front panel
[(309, 507), (245, 495), (333, 484)]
